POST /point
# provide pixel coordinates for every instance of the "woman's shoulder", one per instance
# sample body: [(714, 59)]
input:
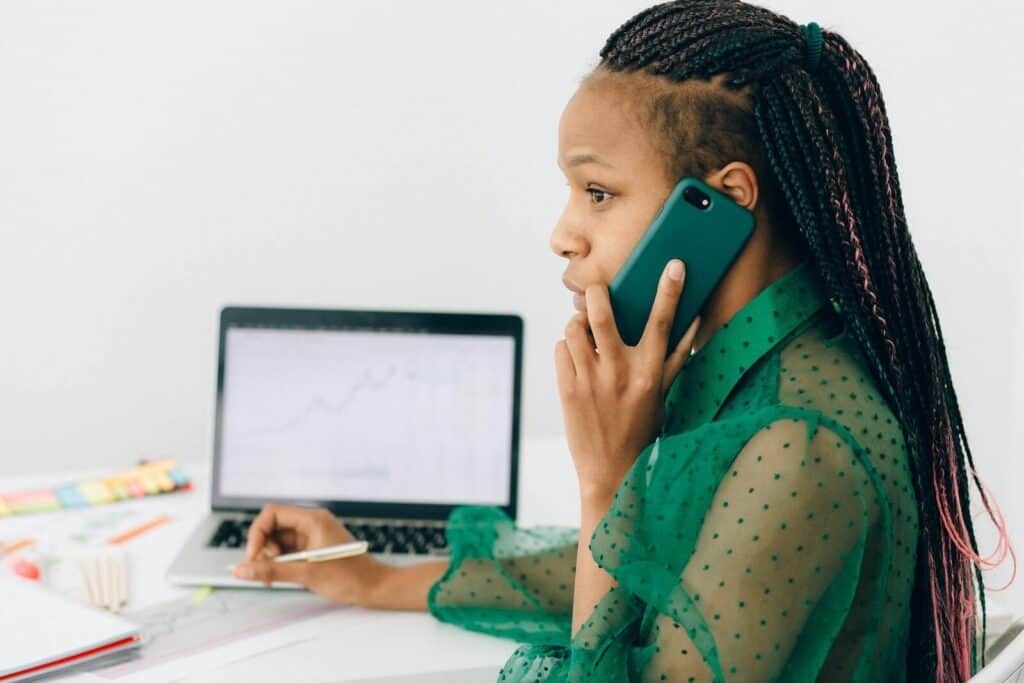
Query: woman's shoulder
[(815, 394), (823, 369), (815, 383), (819, 370)]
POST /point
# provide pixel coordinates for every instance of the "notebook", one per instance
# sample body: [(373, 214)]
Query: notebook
[(44, 631)]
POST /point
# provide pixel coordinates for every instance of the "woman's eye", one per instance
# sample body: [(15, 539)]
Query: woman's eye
[(592, 190)]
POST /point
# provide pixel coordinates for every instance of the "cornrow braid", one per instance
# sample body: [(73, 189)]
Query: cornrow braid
[(821, 146)]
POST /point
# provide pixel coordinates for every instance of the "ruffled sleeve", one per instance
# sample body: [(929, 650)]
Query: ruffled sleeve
[(738, 548), (746, 538), (505, 580)]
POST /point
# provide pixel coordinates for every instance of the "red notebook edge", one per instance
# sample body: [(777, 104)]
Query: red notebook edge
[(70, 659)]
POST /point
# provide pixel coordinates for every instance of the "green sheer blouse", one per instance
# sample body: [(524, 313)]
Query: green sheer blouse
[(768, 533)]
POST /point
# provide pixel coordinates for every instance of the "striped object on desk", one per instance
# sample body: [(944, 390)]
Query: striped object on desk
[(145, 479)]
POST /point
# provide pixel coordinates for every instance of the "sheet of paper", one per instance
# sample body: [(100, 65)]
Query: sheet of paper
[(223, 625), (357, 644), (69, 533)]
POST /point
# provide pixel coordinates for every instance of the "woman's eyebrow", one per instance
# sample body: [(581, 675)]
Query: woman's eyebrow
[(580, 159)]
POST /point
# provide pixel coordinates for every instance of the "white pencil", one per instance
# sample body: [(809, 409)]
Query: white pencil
[(330, 552), (121, 580), (106, 573)]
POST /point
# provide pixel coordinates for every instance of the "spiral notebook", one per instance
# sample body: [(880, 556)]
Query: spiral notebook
[(44, 631)]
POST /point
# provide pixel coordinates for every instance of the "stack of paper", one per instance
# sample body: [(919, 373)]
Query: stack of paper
[(43, 631)]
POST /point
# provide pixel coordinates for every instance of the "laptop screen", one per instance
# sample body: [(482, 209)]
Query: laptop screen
[(421, 415), (378, 416)]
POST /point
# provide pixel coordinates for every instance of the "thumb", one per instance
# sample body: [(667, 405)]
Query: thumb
[(267, 571)]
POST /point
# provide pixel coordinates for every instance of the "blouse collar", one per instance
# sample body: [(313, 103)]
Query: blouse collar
[(708, 377)]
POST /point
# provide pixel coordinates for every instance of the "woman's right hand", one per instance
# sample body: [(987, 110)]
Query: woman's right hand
[(282, 529)]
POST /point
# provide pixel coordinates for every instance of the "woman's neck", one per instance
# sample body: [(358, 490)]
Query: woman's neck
[(753, 270)]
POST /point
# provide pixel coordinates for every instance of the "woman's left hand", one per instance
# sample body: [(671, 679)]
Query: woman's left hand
[(613, 395)]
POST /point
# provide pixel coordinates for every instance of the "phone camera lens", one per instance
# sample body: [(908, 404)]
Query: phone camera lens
[(696, 197)]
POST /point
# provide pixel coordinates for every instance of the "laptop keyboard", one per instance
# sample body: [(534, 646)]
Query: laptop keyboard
[(383, 536)]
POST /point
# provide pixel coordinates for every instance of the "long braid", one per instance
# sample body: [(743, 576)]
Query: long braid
[(822, 147)]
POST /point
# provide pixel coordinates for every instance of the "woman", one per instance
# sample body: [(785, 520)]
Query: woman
[(789, 502)]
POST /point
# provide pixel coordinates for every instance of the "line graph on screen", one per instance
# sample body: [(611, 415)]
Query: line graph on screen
[(367, 416)]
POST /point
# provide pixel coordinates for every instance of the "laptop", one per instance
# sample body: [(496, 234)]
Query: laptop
[(390, 419)]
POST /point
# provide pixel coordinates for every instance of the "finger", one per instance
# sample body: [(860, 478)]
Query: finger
[(565, 371), (602, 321), (268, 571), (663, 312), (274, 517), (680, 355), (259, 530), (287, 540), (578, 341)]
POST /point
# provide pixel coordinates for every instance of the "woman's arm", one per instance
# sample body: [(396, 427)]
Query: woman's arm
[(403, 587), (592, 582)]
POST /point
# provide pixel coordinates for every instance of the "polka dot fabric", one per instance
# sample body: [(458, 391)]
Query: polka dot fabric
[(768, 534)]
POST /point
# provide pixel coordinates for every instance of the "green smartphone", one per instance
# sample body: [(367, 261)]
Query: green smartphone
[(704, 228)]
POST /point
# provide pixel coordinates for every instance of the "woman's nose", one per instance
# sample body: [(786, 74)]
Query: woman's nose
[(567, 243)]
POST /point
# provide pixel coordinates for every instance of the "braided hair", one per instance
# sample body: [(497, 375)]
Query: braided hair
[(718, 80)]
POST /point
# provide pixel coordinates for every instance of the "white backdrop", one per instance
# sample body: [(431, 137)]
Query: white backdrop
[(161, 159)]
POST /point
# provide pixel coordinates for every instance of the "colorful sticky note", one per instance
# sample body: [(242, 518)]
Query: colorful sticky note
[(163, 481), (38, 500), (178, 476), (96, 492), (135, 487), (71, 496), (148, 478), (116, 487), (149, 484), (163, 464)]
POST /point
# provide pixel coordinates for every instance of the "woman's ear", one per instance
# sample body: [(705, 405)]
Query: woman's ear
[(738, 180)]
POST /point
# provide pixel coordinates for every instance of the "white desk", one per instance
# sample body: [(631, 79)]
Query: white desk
[(349, 644)]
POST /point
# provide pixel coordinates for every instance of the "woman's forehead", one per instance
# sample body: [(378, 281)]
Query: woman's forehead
[(598, 122)]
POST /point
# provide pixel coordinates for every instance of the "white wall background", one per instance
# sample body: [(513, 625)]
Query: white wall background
[(161, 159)]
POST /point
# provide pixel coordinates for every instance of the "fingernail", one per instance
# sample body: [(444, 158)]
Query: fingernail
[(243, 571), (675, 269)]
